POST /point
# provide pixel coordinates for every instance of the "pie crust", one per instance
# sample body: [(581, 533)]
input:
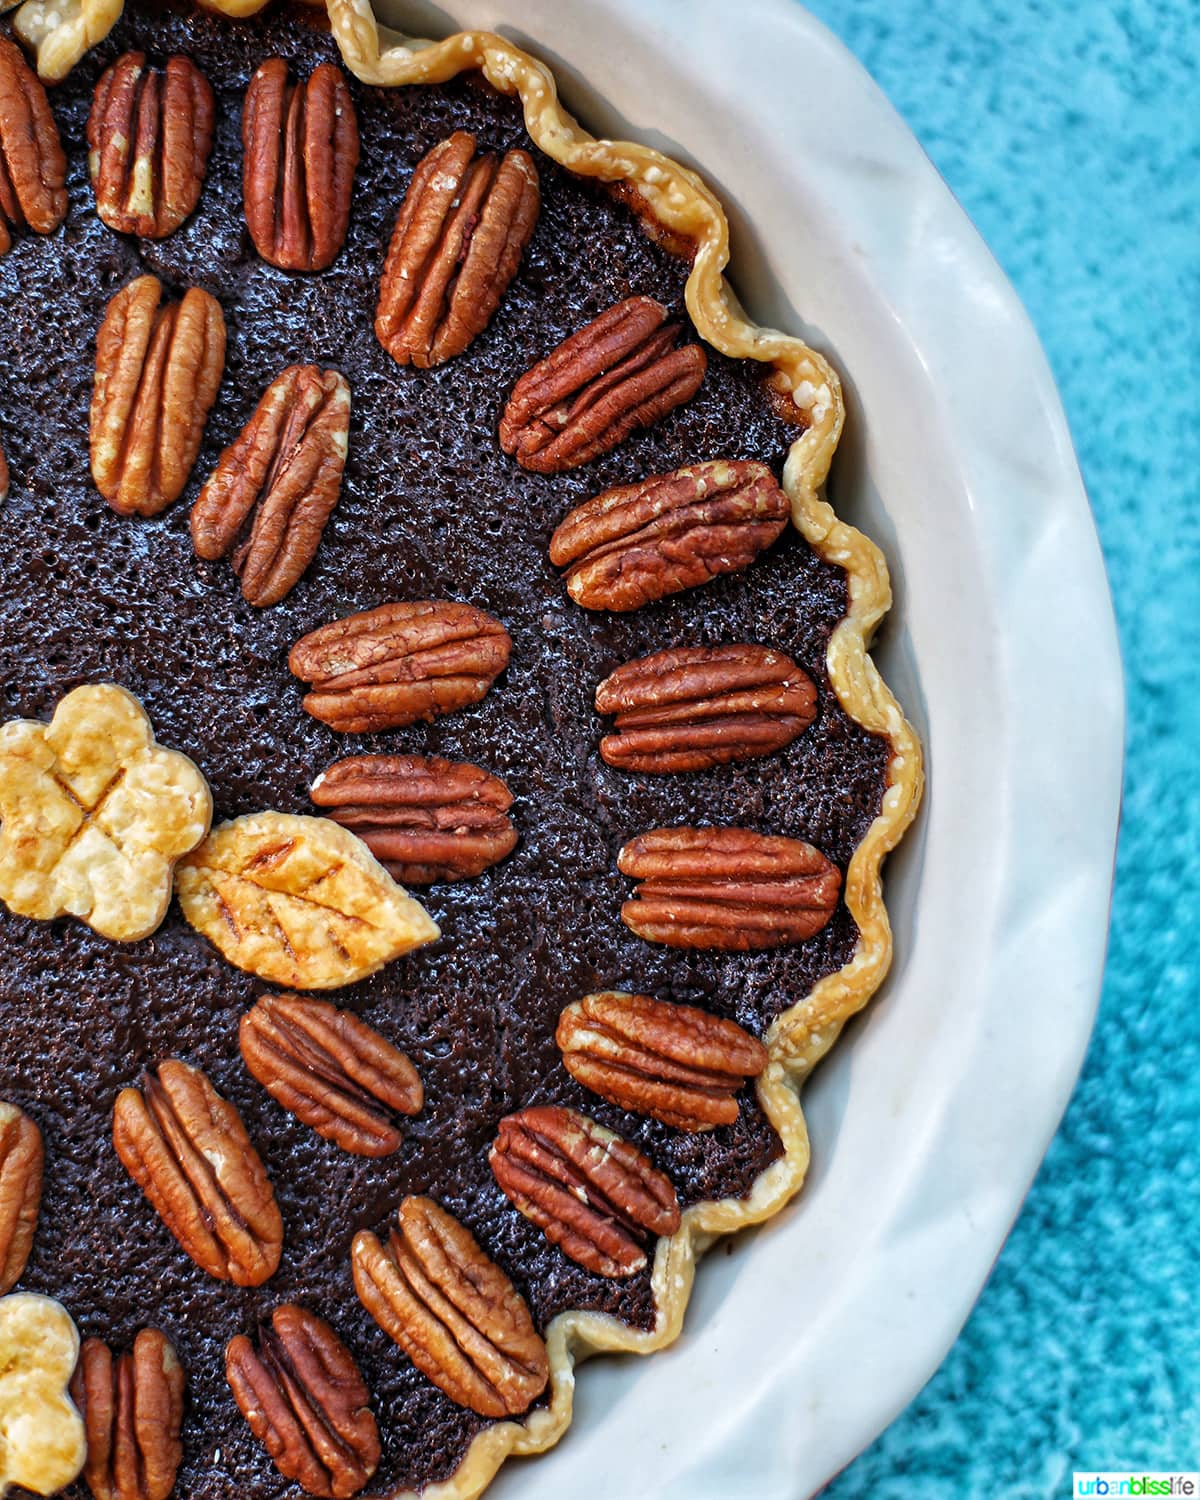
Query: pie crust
[(680, 204)]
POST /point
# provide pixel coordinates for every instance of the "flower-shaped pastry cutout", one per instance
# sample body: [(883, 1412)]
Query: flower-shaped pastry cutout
[(94, 814), (42, 1442)]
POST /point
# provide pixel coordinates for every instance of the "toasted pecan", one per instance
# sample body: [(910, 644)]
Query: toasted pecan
[(132, 1409), (457, 244), (424, 818), (727, 888), (677, 1063), (595, 1196), (452, 1310), (400, 663), (300, 152), (693, 707), (621, 372), (149, 134), (331, 1070), (306, 1401), (639, 542)]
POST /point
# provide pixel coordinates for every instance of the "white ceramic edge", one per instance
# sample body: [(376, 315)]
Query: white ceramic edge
[(930, 1120)]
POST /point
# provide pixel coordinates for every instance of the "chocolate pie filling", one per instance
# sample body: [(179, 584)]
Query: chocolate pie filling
[(431, 508)]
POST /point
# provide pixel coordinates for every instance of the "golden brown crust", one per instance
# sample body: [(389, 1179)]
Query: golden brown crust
[(684, 209)]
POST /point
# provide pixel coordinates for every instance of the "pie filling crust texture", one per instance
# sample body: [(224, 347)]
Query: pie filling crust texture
[(678, 208)]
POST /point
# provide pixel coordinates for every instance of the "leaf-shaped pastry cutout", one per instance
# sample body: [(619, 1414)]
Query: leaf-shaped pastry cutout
[(298, 901), (42, 1443)]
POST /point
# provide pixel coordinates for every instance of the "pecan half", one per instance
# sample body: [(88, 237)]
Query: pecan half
[(286, 467), (398, 664), (301, 150), (452, 1310), (157, 373), (188, 1151), (331, 1070), (726, 888), (639, 542), (33, 166), (457, 244), (592, 1194), (619, 373), (422, 817), (3, 476), (674, 1062), (21, 1160), (132, 1409), (693, 707), (306, 1402), (149, 134)]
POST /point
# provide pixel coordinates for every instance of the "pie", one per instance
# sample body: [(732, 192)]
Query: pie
[(389, 463)]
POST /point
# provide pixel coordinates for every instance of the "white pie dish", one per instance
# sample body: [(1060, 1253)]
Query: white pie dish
[(932, 1115)]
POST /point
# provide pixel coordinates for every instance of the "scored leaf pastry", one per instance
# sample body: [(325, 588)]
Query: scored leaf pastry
[(298, 901)]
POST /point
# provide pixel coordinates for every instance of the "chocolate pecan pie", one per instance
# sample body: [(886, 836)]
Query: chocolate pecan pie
[(392, 479)]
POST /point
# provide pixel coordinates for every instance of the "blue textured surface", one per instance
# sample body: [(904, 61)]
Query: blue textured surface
[(1070, 130)]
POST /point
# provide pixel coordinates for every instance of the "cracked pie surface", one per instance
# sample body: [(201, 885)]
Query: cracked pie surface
[(443, 784)]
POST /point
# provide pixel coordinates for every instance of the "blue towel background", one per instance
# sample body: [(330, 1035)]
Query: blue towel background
[(1070, 130)]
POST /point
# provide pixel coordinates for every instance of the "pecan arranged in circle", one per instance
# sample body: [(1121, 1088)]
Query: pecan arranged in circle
[(33, 166), (22, 1157), (306, 1401), (693, 707), (157, 373), (332, 1071), (188, 1151), (620, 373), (301, 150), (674, 1062), (132, 1410), (149, 134), (639, 542), (286, 468), (457, 244), (452, 1310), (592, 1194), (422, 817), (399, 664), (726, 888)]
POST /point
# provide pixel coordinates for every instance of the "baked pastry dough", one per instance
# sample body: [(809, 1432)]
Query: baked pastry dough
[(682, 206)]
